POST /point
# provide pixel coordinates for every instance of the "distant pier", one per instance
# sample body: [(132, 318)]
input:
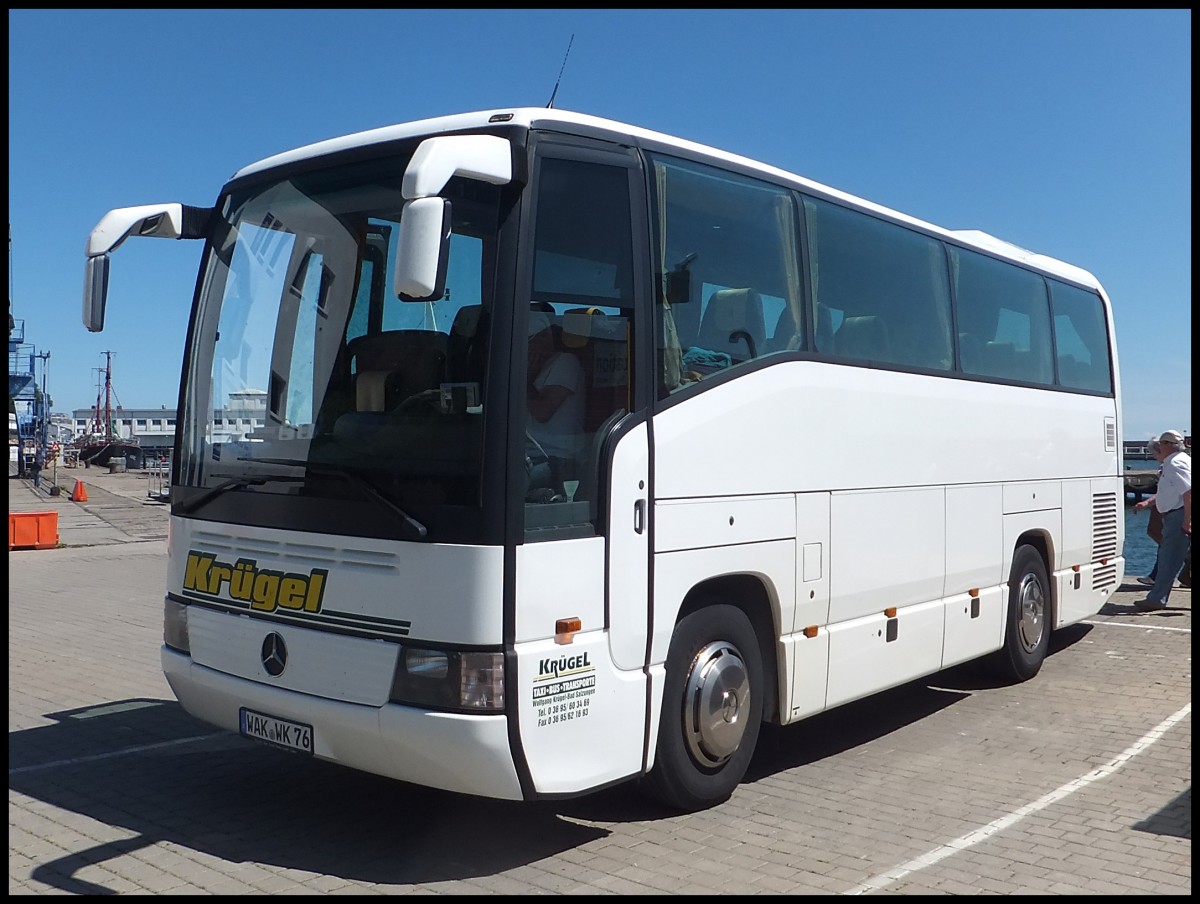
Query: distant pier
[(1140, 483)]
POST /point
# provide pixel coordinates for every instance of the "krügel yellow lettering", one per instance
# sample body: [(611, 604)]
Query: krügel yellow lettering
[(243, 580), (195, 577), (264, 589), (220, 574), (316, 590), (291, 592)]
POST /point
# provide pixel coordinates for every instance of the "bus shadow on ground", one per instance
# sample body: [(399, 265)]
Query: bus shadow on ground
[(242, 802), (834, 732), (146, 766), (1174, 819)]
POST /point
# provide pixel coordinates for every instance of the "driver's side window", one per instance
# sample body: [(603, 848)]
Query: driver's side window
[(579, 330)]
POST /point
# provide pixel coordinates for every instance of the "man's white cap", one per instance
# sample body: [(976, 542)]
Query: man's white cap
[(1172, 437)]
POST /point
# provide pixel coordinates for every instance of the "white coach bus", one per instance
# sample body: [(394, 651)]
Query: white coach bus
[(588, 449)]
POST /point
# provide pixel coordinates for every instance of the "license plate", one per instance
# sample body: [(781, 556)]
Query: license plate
[(276, 731)]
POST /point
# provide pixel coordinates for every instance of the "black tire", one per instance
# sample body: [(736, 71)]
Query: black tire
[(1027, 624), (711, 711)]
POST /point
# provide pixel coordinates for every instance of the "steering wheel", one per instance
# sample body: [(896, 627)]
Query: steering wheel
[(425, 400)]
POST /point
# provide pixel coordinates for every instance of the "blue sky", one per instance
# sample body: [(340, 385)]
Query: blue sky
[(1064, 132)]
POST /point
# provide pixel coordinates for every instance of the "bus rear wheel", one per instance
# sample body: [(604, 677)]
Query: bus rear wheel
[(1027, 628), (712, 709)]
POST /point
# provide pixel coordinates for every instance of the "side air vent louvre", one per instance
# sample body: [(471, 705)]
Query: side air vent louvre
[(1104, 540), (1104, 577)]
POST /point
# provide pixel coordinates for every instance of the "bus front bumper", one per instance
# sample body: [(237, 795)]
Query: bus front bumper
[(453, 751)]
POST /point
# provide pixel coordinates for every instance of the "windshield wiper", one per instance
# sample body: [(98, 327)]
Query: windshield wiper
[(236, 483), (350, 477)]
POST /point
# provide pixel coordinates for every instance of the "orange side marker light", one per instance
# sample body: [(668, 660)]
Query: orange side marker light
[(565, 629)]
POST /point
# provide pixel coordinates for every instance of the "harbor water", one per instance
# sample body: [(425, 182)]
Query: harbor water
[(1140, 550)]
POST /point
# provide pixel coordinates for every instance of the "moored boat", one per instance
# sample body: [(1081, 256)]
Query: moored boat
[(96, 449), (102, 444)]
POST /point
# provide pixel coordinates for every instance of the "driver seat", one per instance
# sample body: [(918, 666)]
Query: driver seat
[(392, 366)]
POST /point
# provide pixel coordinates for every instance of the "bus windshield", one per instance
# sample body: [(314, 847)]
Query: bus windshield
[(310, 382)]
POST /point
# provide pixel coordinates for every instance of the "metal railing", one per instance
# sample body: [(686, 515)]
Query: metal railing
[(158, 473)]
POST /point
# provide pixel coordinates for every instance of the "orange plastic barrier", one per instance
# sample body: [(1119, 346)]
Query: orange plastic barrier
[(79, 494), (32, 530)]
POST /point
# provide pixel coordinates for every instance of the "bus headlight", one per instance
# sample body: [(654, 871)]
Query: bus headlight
[(175, 626), (449, 679)]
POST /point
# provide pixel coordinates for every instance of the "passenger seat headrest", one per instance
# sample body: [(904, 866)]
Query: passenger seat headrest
[(577, 326)]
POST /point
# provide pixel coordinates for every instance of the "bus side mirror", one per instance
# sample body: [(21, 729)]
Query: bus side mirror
[(679, 286), (95, 292), (422, 249), (164, 221)]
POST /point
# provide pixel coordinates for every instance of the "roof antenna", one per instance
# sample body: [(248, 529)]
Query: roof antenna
[(554, 93)]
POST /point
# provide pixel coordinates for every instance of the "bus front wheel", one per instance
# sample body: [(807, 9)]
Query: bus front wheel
[(712, 709), (1027, 629)]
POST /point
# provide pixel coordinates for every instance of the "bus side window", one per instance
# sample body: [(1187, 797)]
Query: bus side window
[(735, 237), (890, 279), (1081, 338)]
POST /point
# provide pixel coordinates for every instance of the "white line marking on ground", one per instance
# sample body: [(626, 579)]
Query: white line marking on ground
[(972, 838), (115, 753), (1117, 624)]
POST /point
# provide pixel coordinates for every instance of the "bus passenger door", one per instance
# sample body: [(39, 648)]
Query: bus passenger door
[(628, 571), (583, 558)]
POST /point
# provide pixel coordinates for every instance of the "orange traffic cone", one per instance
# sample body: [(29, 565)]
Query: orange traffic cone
[(79, 494)]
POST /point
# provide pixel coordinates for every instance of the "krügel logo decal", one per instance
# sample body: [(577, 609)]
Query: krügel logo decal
[(265, 590)]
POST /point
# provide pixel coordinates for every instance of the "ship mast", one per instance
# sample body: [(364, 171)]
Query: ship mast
[(103, 428), (108, 431), (96, 411)]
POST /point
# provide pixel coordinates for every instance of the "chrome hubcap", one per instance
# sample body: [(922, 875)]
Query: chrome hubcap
[(716, 703), (1031, 613)]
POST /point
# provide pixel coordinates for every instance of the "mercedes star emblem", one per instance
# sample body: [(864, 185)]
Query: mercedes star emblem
[(274, 654)]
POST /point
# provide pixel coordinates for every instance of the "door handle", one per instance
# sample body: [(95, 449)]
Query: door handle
[(639, 516)]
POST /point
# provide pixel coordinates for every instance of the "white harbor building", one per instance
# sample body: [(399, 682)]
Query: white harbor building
[(154, 428)]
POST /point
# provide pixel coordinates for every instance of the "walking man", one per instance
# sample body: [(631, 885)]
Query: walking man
[(1174, 501), (40, 462), (1154, 528)]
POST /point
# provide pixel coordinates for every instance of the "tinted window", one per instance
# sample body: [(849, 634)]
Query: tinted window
[(578, 339), (727, 255), (1003, 319), (881, 291), (1080, 338), (583, 244)]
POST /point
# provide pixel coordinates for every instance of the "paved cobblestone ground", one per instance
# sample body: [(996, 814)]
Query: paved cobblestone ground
[(1077, 782)]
